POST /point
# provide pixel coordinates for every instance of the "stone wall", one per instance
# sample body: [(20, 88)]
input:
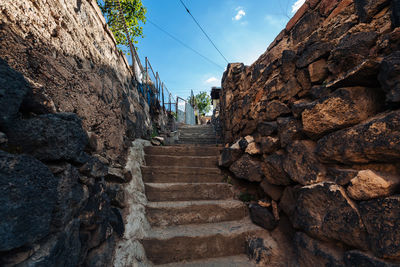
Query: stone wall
[(69, 111), (315, 121)]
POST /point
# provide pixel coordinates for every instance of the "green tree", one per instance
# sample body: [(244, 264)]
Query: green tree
[(203, 101), (133, 13)]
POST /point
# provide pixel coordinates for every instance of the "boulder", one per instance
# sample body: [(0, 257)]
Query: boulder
[(28, 193), (289, 129), (273, 191), (377, 140), (396, 13), (369, 184), (302, 165), (318, 71), (50, 137), (300, 105), (13, 89), (229, 156), (275, 109), (313, 53), (312, 252), (382, 218), (3, 139), (325, 211), (94, 168), (364, 259), (389, 76), (306, 26), (262, 217), (272, 168), (247, 168), (351, 51), (345, 107), (116, 194)]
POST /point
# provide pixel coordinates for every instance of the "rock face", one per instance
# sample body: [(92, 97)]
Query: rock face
[(322, 104), (69, 111), (28, 190), (247, 168)]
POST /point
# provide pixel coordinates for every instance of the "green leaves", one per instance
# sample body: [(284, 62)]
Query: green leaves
[(133, 13), (203, 101)]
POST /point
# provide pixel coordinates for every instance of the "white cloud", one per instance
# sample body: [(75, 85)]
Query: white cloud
[(211, 80), (240, 14), (297, 5)]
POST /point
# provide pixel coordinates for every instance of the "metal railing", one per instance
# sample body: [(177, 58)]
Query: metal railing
[(149, 84)]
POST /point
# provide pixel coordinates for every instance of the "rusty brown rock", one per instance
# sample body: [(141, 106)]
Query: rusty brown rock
[(377, 140), (269, 144), (247, 168), (229, 156), (389, 76), (289, 129), (369, 184), (318, 71), (275, 109), (325, 211), (344, 107), (302, 164)]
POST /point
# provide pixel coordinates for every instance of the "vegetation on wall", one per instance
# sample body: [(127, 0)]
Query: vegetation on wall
[(203, 101), (133, 13)]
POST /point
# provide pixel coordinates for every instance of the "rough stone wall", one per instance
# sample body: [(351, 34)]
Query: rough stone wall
[(320, 113), (69, 111)]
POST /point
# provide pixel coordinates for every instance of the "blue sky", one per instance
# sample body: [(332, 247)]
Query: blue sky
[(241, 29)]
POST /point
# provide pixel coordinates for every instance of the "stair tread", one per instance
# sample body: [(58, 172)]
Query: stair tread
[(229, 203), (229, 261), (228, 228), (165, 185)]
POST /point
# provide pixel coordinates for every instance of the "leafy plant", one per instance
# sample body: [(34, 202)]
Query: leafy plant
[(133, 13), (203, 101)]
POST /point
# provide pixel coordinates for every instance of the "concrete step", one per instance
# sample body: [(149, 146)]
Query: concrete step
[(190, 135), (168, 174), (183, 150), (191, 242), (183, 161), (187, 191), (194, 212), (197, 141), (229, 261)]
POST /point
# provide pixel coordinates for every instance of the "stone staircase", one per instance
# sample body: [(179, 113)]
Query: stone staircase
[(196, 134), (194, 219)]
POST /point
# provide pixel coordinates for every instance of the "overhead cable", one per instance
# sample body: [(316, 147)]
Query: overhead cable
[(185, 45), (201, 28)]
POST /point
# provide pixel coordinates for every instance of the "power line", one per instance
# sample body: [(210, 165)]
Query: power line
[(182, 43), (188, 11)]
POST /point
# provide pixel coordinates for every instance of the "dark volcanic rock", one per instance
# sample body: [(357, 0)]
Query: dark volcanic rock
[(313, 53), (351, 51), (343, 108), (247, 168), (28, 196), (275, 109), (269, 144), (289, 199), (378, 139), (71, 196), (325, 211), (229, 156), (362, 259), (302, 165), (341, 176), (311, 252), (382, 218), (62, 249), (49, 137), (262, 217), (389, 77), (306, 25), (94, 168), (396, 13), (272, 167), (13, 88)]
